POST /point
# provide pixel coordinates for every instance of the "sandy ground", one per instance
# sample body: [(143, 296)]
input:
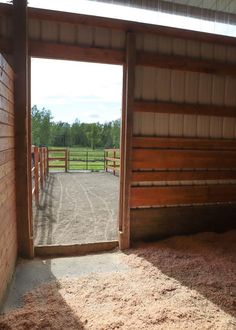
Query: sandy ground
[(77, 208), (180, 283)]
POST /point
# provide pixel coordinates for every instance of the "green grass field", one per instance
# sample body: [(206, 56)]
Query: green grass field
[(78, 159)]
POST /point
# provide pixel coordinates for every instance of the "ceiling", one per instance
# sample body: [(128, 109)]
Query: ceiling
[(217, 10)]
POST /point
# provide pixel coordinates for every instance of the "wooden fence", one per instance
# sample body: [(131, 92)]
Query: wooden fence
[(112, 160), (59, 157), (39, 170)]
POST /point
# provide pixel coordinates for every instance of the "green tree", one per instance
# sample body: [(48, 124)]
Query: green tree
[(41, 126)]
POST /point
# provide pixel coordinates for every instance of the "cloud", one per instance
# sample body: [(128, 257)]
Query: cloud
[(94, 115)]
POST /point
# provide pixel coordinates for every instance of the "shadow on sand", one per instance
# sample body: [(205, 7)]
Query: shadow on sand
[(205, 262), (34, 301)]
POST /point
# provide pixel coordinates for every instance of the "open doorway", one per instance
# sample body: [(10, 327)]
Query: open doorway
[(76, 120)]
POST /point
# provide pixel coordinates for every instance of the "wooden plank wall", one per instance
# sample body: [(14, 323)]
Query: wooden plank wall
[(183, 115), (8, 236), (184, 145)]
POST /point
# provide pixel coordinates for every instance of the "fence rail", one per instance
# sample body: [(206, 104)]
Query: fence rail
[(84, 160), (58, 158), (112, 160), (39, 170)]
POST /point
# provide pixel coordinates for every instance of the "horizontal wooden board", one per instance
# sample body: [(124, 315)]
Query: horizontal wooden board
[(185, 108), (6, 156), (76, 53), (6, 130), (112, 159), (6, 143), (182, 159), (6, 105), (7, 181), (6, 93), (6, 169), (160, 223), (151, 176), (5, 66), (183, 143), (182, 63), (75, 249), (6, 79), (175, 195), (6, 118)]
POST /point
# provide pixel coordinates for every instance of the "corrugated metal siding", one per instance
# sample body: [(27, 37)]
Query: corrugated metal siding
[(189, 87), (155, 84), (72, 34)]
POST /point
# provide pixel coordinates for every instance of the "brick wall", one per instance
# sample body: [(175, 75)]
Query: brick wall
[(8, 238)]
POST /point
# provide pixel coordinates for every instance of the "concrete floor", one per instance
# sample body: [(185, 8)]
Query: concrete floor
[(30, 274), (77, 208)]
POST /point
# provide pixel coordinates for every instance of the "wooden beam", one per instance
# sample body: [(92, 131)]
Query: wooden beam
[(118, 24), (177, 195), (183, 143), (174, 62), (127, 152), (122, 152), (159, 223), (150, 176), (74, 249), (75, 53), (22, 151), (185, 108), (182, 159), (127, 26)]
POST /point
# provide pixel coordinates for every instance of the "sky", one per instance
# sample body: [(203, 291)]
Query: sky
[(88, 92), (92, 92)]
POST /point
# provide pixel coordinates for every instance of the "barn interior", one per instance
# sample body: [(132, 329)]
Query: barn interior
[(177, 173)]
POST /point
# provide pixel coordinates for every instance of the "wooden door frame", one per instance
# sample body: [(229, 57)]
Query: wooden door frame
[(22, 69)]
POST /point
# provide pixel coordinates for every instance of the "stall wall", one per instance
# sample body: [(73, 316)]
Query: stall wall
[(183, 165), (8, 239)]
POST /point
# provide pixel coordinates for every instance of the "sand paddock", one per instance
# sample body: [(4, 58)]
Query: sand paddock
[(178, 283), (77, 208)]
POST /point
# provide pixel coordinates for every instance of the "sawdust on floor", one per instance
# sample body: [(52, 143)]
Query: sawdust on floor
[(179, 283)]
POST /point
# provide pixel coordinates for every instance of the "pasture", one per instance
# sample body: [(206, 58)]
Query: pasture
[(78, 159)]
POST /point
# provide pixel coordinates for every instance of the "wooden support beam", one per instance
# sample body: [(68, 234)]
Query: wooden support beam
[(174, 62), (122, 152), (75, 249), (127, 151), (75, 53), (185, 108), (150, 176), (118, 24), (182, 159), (22, 149), (128, 26), (183, 143), (177, 195)]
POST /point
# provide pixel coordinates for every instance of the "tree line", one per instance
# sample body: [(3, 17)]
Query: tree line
[(62, 134)]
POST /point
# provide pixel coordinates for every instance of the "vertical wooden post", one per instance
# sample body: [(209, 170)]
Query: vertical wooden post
[(22, 130), (105, 160), (45, 163), (69, 160), (41, 167), (36, 174), (114, 163), (66, 160), (126, 143)]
